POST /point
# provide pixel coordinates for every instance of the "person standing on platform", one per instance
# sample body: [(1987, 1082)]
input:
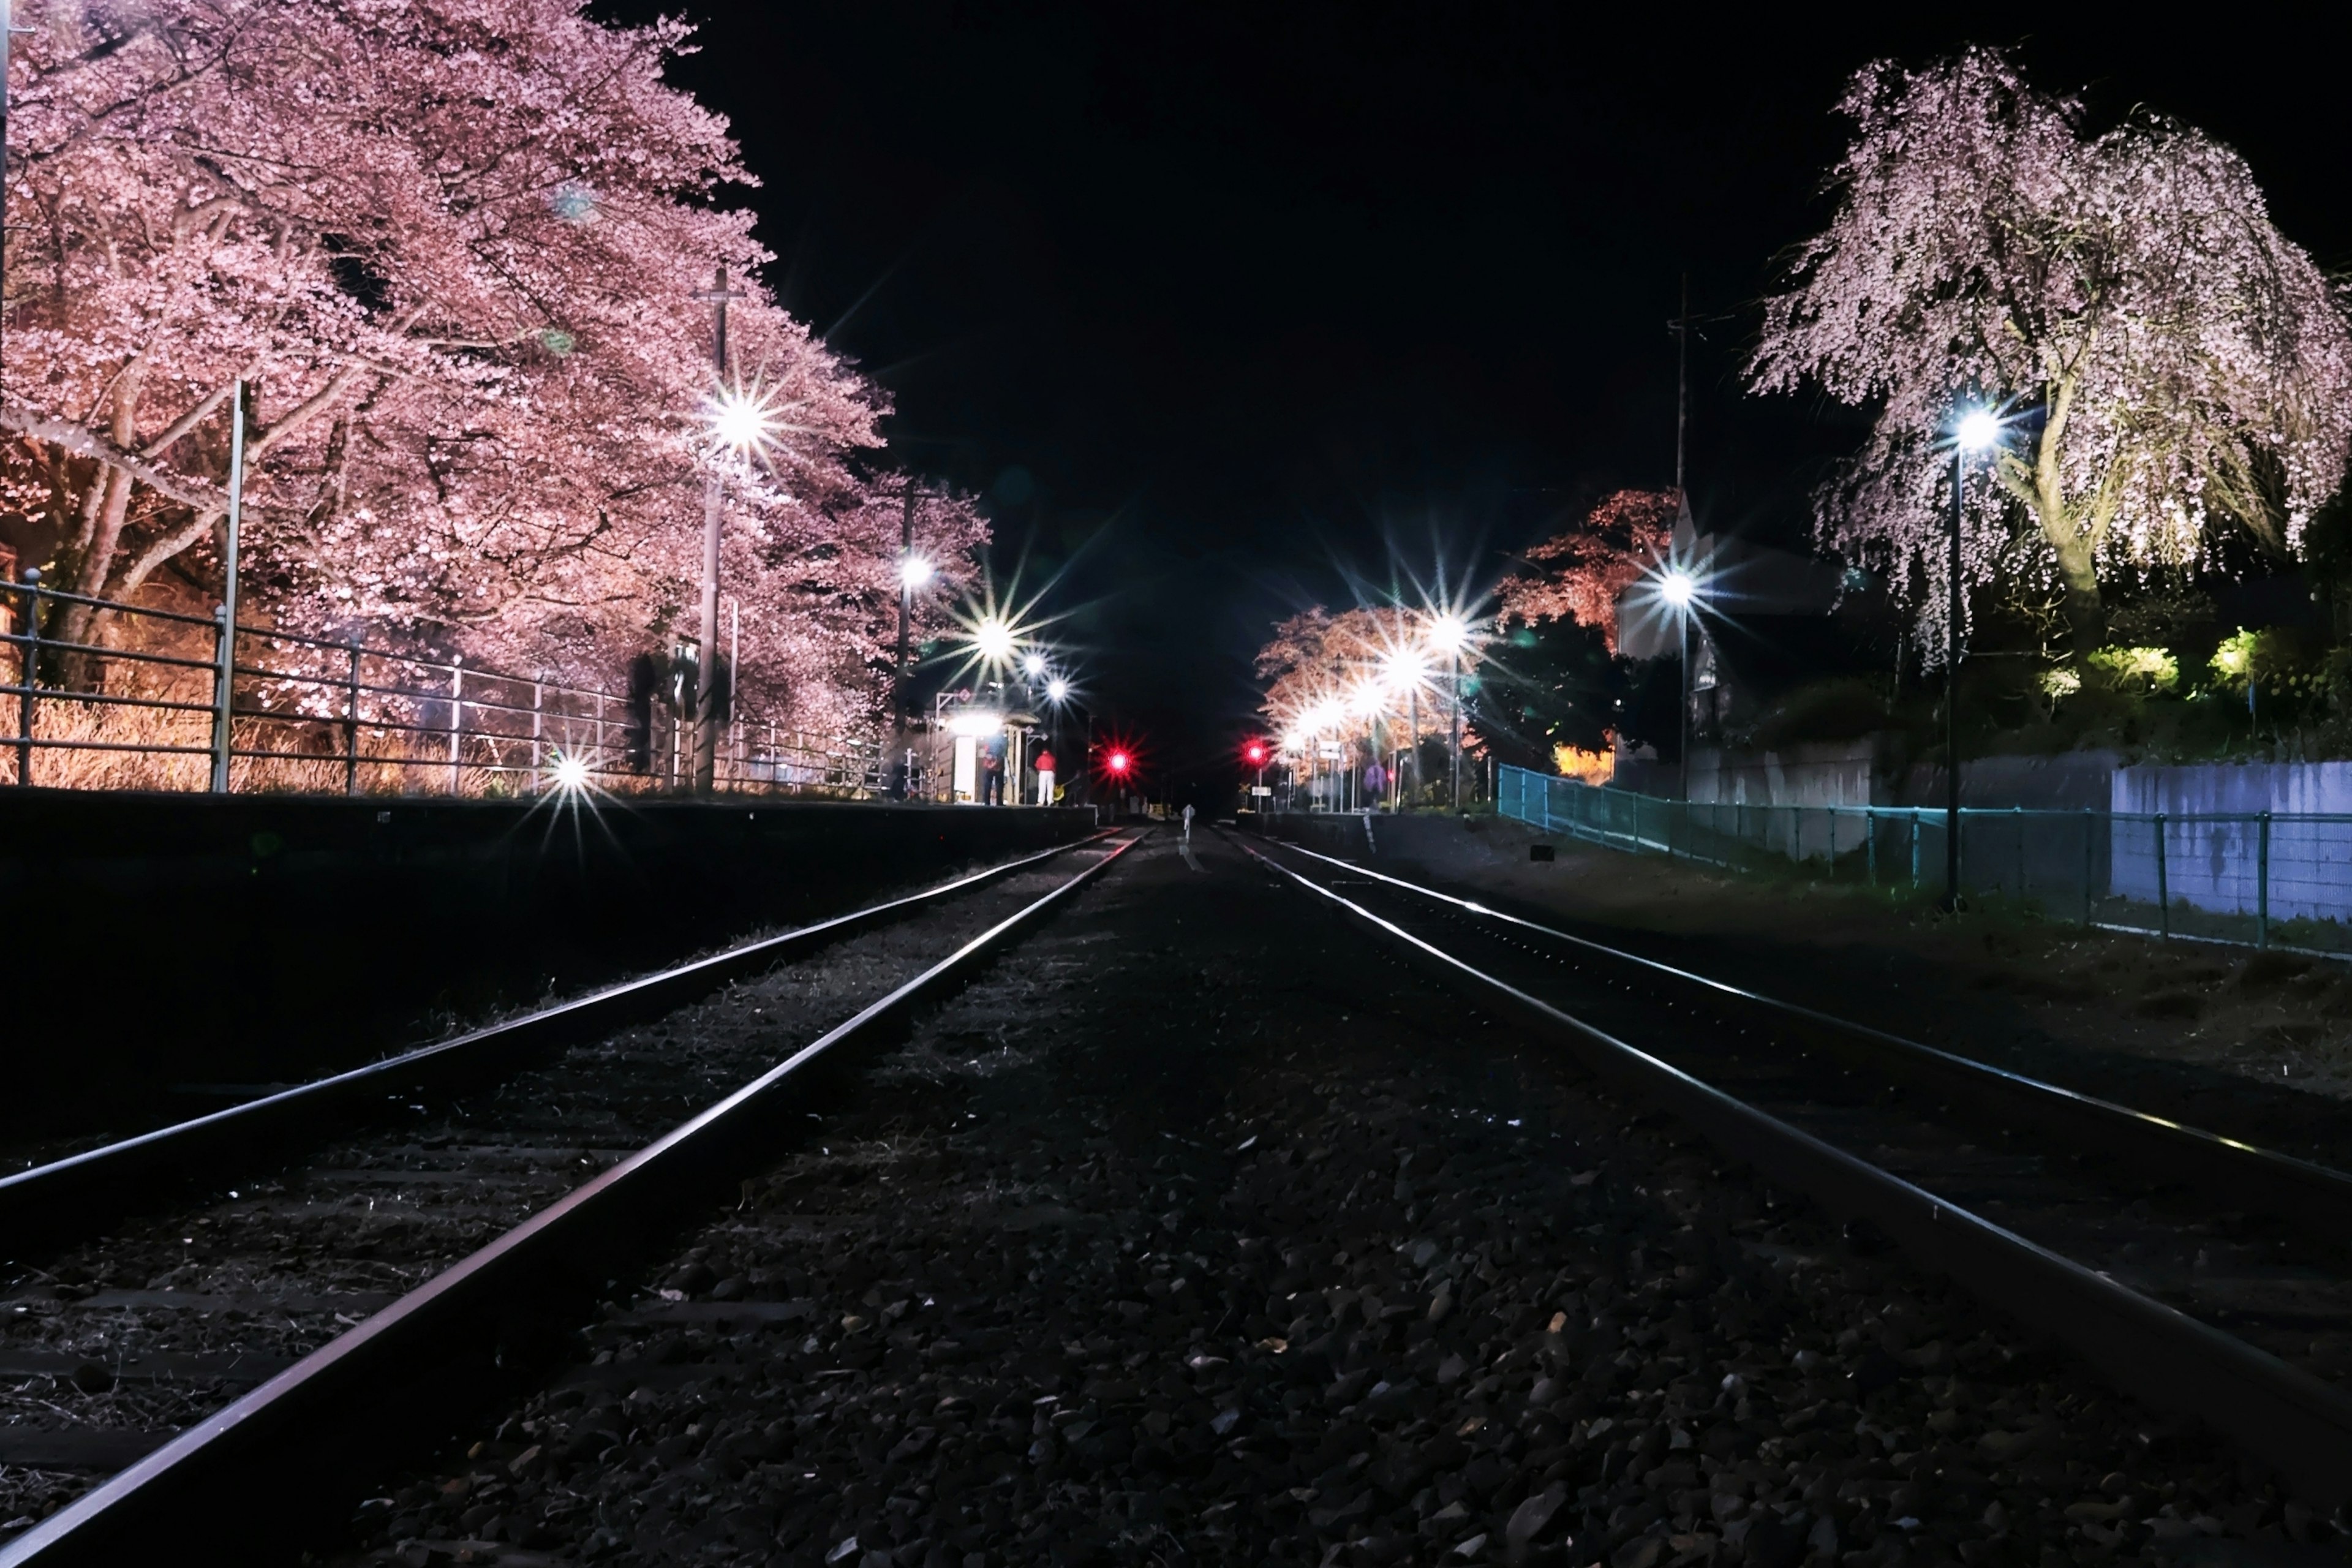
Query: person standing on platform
[(992, 770), (1045, 777)]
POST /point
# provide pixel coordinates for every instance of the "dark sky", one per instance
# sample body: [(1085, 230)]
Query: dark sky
[(1227, 309)]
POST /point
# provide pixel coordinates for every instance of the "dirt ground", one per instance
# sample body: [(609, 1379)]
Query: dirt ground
[(2257, 1044)]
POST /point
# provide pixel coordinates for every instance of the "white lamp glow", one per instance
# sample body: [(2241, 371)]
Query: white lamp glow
[(993, 638), (914, 571), (741, 423), (1449, 632), (1678, 588), (1978, 430)]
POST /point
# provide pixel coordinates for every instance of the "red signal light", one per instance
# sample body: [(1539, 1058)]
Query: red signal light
[(1255, 753), (1119, 762)]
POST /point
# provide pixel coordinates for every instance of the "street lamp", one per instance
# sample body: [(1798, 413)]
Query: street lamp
[(1678, 590), (1978, 430), (915, 572), (1448, 633), (740, 424), (992, 639)]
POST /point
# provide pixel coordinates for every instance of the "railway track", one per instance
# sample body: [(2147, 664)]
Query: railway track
[(464, 1197), (2199, 1272)]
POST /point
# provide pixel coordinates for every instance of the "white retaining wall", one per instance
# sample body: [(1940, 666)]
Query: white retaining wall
[(2216, 865)]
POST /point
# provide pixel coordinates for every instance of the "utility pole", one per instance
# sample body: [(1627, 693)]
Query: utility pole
[(706, 683), (1681, 326)]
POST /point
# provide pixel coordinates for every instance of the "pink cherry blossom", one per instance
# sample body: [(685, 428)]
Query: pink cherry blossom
[(452, 248), (2165, 359)]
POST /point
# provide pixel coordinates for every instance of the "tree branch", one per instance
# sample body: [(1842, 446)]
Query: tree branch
[(86, 443)]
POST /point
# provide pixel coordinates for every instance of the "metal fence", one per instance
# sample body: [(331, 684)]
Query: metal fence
[(106, 694), (2257, 879)]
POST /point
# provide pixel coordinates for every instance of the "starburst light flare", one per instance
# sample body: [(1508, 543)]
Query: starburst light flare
[(742, 422)]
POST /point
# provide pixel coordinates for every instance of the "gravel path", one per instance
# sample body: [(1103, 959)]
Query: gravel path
[(108, 1349), (1202, 1231)]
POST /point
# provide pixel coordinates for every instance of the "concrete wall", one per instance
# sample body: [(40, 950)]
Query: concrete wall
[(172, 938), (2217, 865)]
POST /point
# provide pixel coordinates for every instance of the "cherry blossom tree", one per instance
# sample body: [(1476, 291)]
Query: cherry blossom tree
[(2165, 359), (1337, 676), (453, 250), (1578, 575)]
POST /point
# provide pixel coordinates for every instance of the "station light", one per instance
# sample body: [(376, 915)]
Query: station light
[(914, 571), (1058, 689), (993, 638), (1033, 666), (571, 773), (1979, 429)]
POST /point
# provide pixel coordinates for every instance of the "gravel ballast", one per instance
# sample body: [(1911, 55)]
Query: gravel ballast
[(1201, 1230), (107, 1350)]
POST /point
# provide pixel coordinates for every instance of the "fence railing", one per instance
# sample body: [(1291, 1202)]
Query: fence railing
[(2256, 878), (104, 695)]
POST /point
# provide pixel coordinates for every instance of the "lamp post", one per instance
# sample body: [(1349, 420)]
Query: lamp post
[(1679, 589), (1976, 431), (705, 695), (914, 571), (1449, 632)]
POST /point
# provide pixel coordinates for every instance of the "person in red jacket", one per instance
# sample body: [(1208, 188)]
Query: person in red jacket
[(1045, 777)]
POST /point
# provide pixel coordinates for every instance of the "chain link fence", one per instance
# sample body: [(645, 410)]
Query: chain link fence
[(2255, 880)]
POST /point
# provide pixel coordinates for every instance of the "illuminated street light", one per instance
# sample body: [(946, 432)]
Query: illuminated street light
[(1449, 634), (1058, 689), (741, 423), (993, 638), (1978, 430), (1033, 666), (1678, 588), (914, 571), (571, 773)]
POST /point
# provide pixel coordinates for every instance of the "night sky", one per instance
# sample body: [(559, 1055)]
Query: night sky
[(1227, 310)]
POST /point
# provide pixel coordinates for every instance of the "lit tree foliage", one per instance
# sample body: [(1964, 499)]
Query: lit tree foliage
[(452, 247), (1579, 574), (1335, 675), (2167, 358)]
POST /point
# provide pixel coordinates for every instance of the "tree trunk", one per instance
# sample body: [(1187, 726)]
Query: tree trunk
[(2087, 613)]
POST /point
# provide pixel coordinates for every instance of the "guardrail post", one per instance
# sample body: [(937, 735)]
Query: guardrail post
[(223, 740), (2163, 893), (351, 722), (28, 667), (2262, 884), (224, 694), (2090, 858), (457, 716), (1870, 842), (538, 706), (1915, 847)]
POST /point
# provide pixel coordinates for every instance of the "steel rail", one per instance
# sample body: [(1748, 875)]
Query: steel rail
[(2317, 1198), (2284, 1416), (392, 1385), (73, 1198)]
